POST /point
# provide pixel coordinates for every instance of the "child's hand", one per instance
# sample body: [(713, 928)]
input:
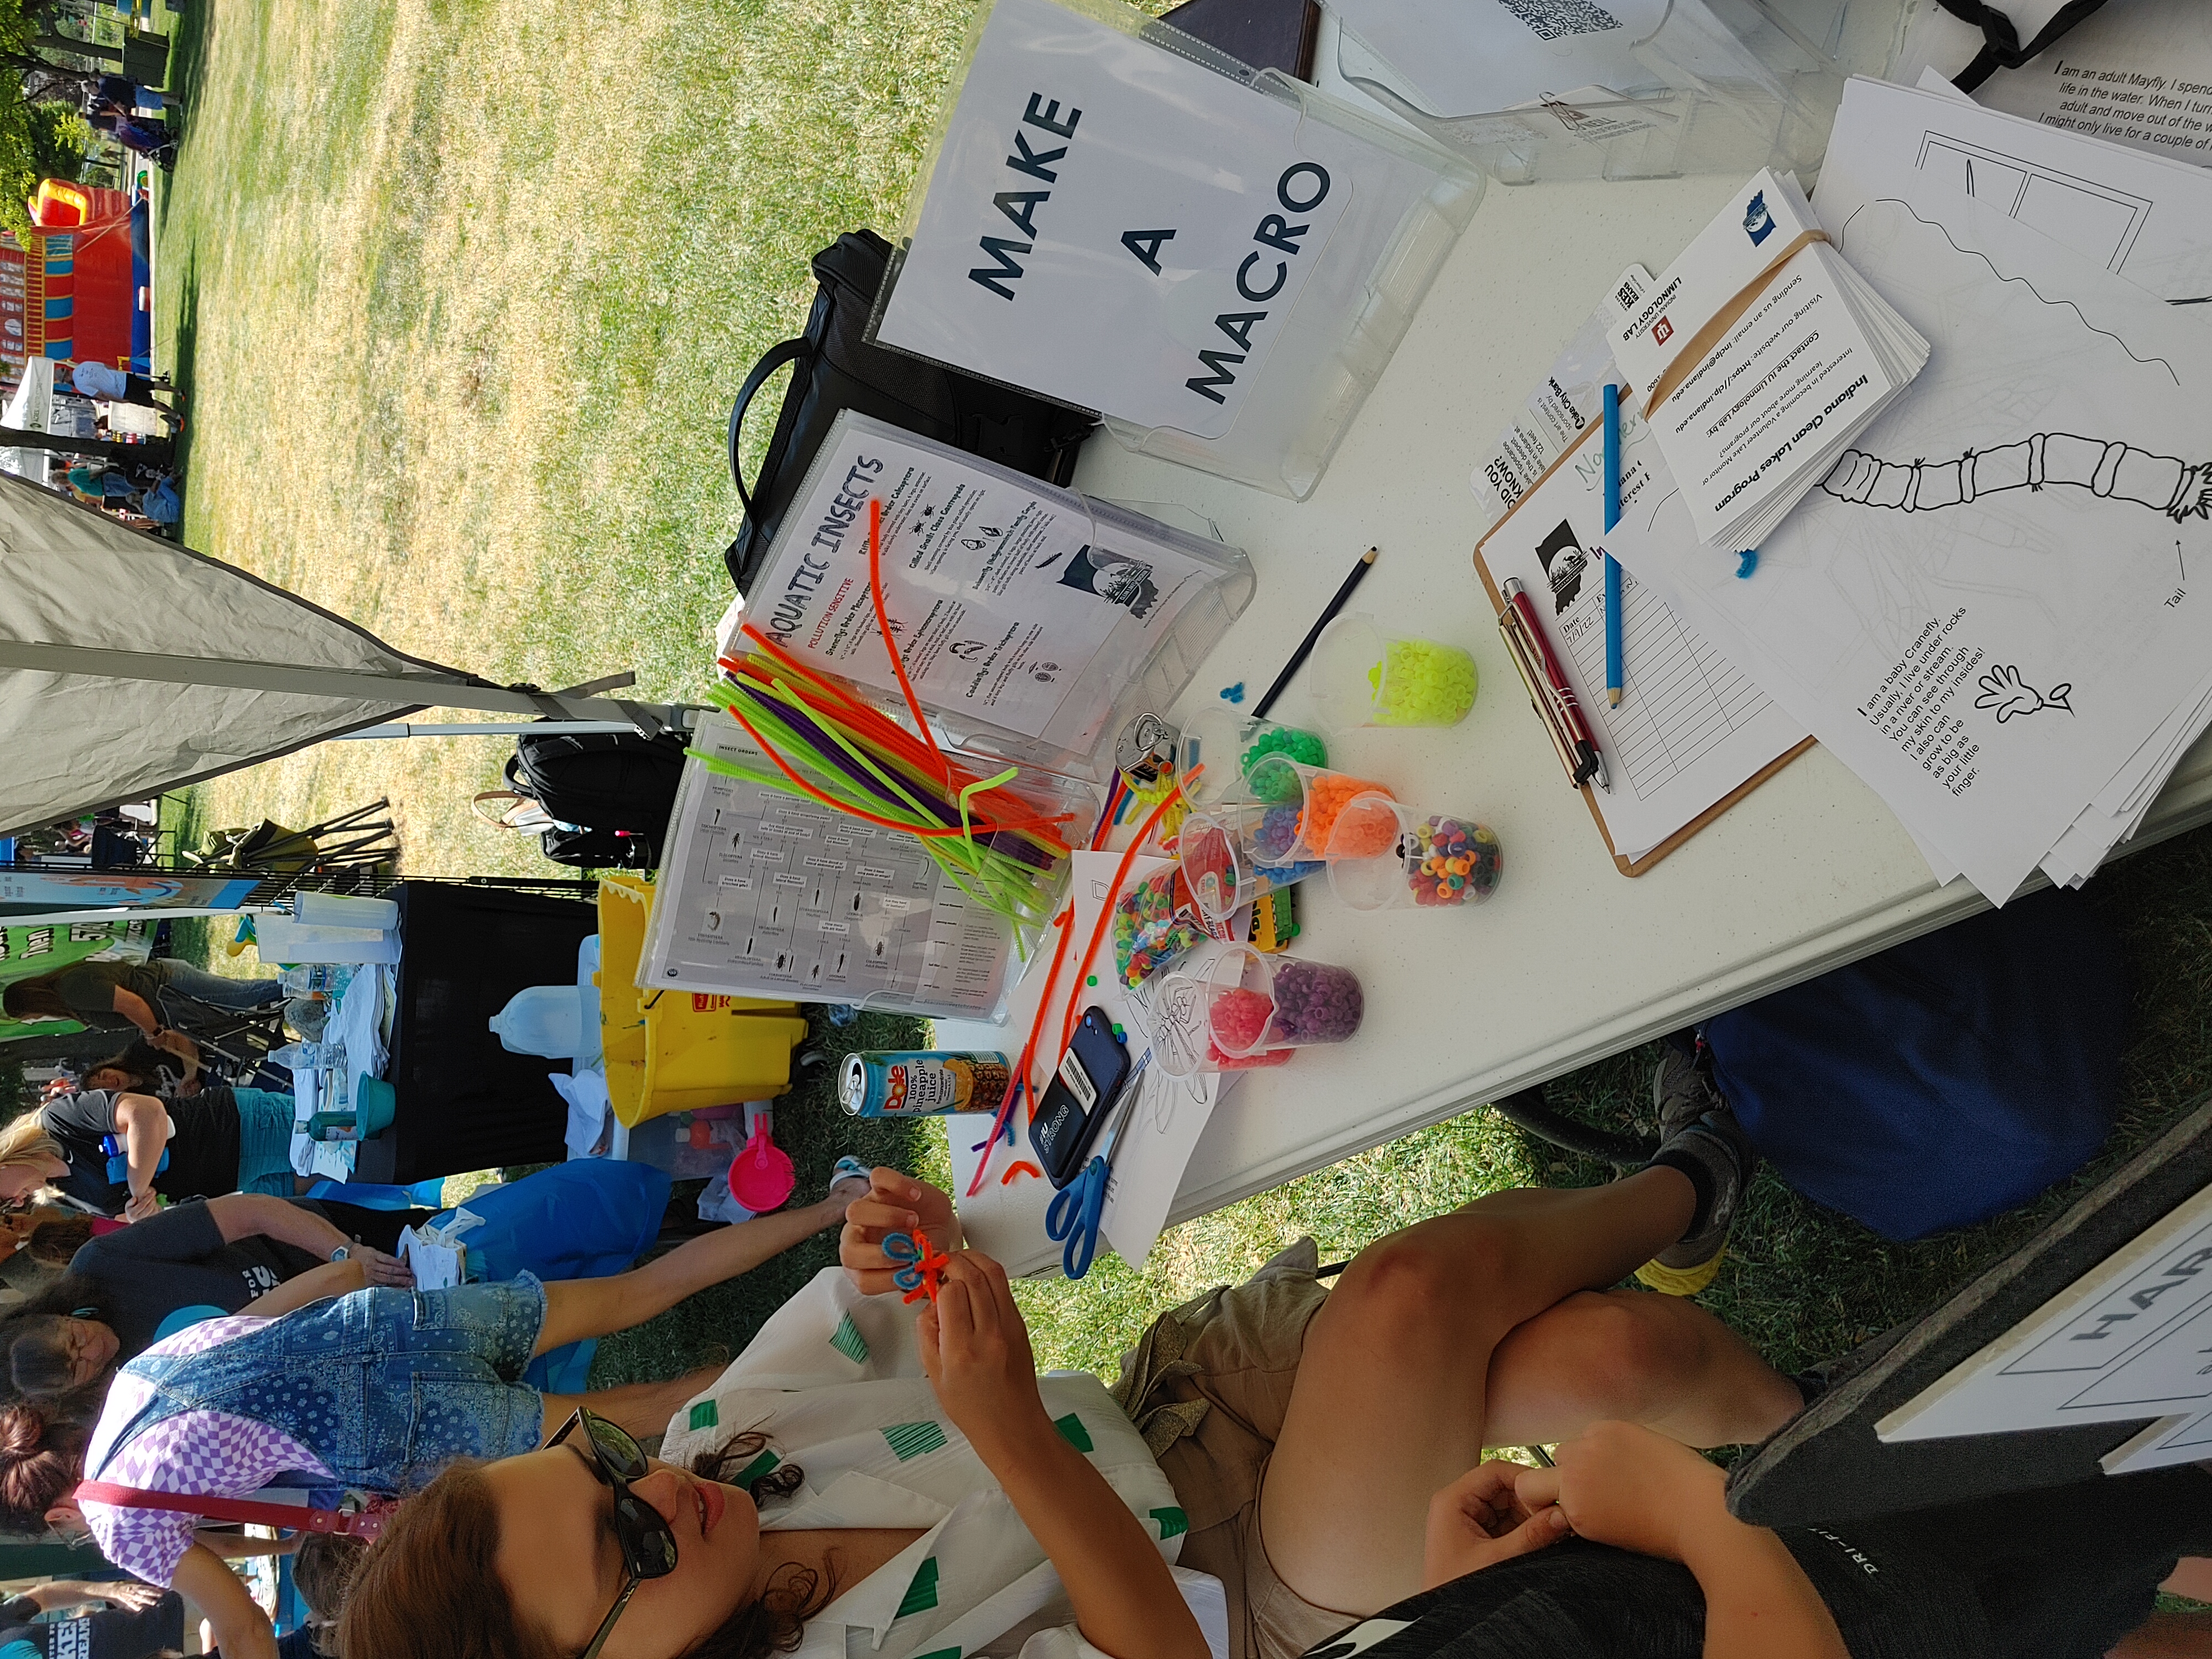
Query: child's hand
[(1626, 1485), (976, 1352), (1481, 1520), (895, 1203)]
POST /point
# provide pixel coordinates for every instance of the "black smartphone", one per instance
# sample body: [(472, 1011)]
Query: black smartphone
[(1084, 1090)]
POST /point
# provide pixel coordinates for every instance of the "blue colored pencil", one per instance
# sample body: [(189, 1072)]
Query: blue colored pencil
[(1614, 676)]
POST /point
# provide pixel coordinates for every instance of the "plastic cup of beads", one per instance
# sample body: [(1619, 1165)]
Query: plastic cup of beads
[(1301, 807), (1186, 1046), (1229, 744), (1429, 860), (1232, 853), (1256, 1004), (1363, 676)]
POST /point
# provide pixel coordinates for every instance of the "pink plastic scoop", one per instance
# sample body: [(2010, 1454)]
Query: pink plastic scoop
[(761, 1175)]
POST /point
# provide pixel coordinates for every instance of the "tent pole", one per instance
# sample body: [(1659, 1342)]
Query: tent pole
[(404, 690), (480, 728), (672, 714)]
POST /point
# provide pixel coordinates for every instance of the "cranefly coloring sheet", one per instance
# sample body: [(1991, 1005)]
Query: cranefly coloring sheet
[(2137, 73), (1997, 595), (2141, 216)]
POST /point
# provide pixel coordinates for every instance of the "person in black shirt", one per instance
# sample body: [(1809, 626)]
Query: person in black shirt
[(220, 1140), (118, 995), (139, 1621), (168, 1066), (244, 1253), (1626, 1551)]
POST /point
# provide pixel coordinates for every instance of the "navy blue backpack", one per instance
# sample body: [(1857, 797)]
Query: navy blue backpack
[(1945, 1080)]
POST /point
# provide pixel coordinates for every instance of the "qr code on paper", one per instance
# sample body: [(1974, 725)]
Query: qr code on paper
[(1550, 19)]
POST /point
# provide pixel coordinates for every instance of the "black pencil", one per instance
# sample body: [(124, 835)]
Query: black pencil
[(1306, 645)]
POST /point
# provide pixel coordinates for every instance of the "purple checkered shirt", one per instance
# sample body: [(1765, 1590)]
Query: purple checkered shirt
[(191, 1453)]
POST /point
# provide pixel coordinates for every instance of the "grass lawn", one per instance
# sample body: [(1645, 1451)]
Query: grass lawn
[(461, 292)]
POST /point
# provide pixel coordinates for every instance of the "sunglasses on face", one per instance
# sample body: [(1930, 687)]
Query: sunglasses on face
[(649, 1547)]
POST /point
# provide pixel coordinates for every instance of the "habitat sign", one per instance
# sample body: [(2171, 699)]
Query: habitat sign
[(1114, 226)]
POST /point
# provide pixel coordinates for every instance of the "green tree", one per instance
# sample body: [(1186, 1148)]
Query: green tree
[(37, 141), (42, 136)]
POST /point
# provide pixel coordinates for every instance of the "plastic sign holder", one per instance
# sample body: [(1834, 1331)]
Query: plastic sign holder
[(1035, 622), (1118, 217)]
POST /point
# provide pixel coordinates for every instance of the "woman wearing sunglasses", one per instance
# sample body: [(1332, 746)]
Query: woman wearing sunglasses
[(865, 1480), (373, 1392)]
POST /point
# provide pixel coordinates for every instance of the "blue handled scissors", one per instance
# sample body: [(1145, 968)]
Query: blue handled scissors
[(1072, 1220)]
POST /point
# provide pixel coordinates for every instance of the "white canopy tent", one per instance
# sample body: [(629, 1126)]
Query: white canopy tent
[(246, 671), (31, 410)]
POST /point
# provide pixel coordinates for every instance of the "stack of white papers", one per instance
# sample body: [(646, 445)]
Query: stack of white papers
[(1991, 609), (1758, 356)]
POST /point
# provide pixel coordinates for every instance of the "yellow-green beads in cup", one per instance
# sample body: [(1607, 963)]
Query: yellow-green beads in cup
[(1419, 682)]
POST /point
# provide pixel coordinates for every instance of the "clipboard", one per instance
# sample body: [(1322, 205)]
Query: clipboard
[(1589, 792)]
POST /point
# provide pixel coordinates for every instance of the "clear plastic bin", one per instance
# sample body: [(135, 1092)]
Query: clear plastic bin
[(1428, 861), (1407, 203), (1717, 86)]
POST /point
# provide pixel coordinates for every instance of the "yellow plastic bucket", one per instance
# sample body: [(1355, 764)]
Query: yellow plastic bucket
[(676, 1051)]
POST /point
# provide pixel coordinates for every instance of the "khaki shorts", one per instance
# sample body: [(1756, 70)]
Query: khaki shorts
[(1207, 1386)]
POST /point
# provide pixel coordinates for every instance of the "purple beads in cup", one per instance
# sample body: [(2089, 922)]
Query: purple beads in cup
[(1314, 1003)]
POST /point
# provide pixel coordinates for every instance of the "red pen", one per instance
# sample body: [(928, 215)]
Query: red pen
[(1590, 763)]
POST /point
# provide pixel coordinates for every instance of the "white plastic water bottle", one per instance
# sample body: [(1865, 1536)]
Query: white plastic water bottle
[(311, 1057)]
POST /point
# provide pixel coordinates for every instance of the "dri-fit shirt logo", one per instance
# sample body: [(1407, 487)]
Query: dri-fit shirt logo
[(1758, 222)]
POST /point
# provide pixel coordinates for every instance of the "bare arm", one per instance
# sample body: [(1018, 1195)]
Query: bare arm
[(242, 1630), (1125, 1598), (331, 1278), (237, 1547), (976, 1353), (1759, 1602), (144, 1123), (1627, 1486), (126, 1593), (136, 1009), (242, 1215)]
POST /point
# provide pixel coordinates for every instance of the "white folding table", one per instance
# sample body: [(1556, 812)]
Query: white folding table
[(1570, 961)]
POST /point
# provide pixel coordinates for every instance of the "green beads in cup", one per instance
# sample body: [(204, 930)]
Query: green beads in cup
[(1279, 783)]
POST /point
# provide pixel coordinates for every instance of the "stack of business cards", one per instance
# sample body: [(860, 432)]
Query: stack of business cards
[(1759, 355)]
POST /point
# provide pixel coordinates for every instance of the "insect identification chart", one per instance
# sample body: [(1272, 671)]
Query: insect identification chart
[(1007, 597), (1118, 228), (766, 894)]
